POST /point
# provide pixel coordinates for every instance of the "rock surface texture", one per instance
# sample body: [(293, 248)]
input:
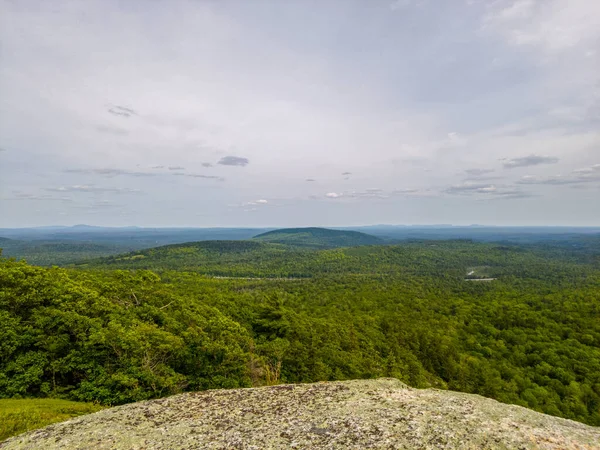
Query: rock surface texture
[(369, 414)]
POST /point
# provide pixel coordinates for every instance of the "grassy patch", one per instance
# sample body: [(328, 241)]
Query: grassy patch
[(19, 416)]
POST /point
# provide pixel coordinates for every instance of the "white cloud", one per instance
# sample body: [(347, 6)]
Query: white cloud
[(488, 191), (549, 25), (555, 41), (576, 177), (260, 202), (399, 4), (406, 191), (591, 169), (109, 172), (250, 104), (531, 160), (478, 172), (518, 10), (93, 189), (375, 194)]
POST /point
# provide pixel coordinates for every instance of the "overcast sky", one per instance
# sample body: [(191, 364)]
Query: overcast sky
[(298, 112)]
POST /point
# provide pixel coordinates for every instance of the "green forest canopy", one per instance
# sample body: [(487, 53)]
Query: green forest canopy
[(225, 314)]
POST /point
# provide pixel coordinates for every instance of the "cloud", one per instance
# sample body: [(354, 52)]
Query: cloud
[(310, 179), (367, 194), (98, 204), (117, 110), (527, 161), (551, 26), (478, 172), (399, 4), (233, 161), (402, 4), (520, 78), (471, 188), (512, 11), (580, 176), (115, 131), (176, 168), (511, 194), (346, 173), (376, 193), (93, 189), (110, 172), (409, 191), (19, 195), (586, 170), (198, 175), (553, 180), (260, 202), (489, 191), (2, 149), (480, 175)]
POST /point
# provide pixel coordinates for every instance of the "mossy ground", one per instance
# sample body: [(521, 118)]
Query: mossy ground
[(21, 415)]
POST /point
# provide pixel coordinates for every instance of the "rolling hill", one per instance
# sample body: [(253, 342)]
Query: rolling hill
[(217, 258), (318, 238)]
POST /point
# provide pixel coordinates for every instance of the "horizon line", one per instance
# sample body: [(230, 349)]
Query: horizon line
[(433, 225)]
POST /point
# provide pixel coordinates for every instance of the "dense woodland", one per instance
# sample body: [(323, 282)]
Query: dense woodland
[(226, 314)]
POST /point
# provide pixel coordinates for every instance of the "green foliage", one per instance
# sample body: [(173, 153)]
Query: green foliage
[(241, 313), (113, 339), (20, 415)]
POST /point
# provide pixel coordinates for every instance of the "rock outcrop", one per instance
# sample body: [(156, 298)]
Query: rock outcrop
[(374, 414)]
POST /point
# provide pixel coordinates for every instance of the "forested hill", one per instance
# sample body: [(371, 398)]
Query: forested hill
[(219, 258), (318, 238)]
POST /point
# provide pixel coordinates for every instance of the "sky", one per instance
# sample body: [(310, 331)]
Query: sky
[(299, 113)]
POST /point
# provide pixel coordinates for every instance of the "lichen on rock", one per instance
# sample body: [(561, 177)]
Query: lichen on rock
[(374, 414)]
